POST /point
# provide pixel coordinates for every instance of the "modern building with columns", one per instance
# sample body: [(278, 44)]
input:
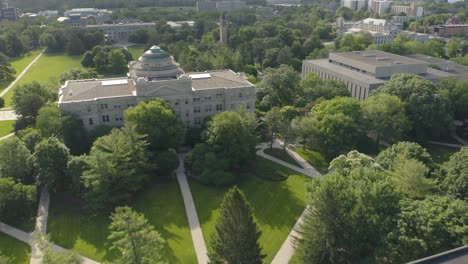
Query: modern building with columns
[(194, 96), (364, 71)]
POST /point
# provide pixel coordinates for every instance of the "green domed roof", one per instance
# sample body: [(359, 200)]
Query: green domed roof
[(155, 54)]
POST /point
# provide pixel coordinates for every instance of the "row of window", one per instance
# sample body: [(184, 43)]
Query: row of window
[(104, 118), (105, 106)]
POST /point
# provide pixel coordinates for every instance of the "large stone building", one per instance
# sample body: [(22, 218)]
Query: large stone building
[(121, 32), (194, 96), (8, 13), (382, 30), (364, 71), (354, 4), (222, 6)]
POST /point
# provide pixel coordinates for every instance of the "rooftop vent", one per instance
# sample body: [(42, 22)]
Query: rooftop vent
[(382, 58), (397, 62), (369, 55)]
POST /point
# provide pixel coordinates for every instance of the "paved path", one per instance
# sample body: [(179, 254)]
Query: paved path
[(445, 144), (41, 225), (21, 74), (194, 223), (7, 136), (16, 233), (457, 138), (6, 115), (306, 171), (287, 250)]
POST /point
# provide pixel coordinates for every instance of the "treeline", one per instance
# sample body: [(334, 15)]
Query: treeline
[(37, 5), (396, 208)]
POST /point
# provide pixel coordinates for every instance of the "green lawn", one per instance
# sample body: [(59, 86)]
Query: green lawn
[(19, 64), (314, 158), (48, 67), (17, 251), (136, 51), (277, 204), (282, 155), (440, 154), (76, 229), (6, 127)]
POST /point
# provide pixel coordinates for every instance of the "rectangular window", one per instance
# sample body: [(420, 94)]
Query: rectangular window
[(186, 101), (197, 121), (208, 108), (105, 118), (196, 109), (89, 108), (187, 113), (207, 98), (248, 105), (103, 106), (90, 121), (177, 102), (240, 95), (219, 95), (219, 107)]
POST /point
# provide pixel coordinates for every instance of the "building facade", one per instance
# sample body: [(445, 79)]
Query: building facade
[(365, 71), (223, 6), (120, 32), (8, 13), (194, 96), (354, 4)]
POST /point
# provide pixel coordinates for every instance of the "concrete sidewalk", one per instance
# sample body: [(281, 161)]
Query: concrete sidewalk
[(194, 223)]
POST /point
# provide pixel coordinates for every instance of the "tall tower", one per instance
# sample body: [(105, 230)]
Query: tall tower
[(223, 29)]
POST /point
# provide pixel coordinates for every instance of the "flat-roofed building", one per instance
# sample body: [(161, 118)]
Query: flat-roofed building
[(194, 96), (364, 71), (122, 31)]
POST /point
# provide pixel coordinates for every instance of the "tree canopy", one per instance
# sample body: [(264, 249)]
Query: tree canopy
[(158, 120)]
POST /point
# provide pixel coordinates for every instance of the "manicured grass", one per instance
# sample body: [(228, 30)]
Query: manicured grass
[(314, 158), (136, 51), (440, 154), (74, 228), (282, 155), (276, 204), (295, 259), (16, 251), (6, 127), (48, 67), (19, 64)]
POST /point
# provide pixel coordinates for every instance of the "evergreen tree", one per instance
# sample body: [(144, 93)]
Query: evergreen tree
[(236, 237), (134, 237)]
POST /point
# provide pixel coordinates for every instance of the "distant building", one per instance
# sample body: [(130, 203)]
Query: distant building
[(283, 2), (452, 30), (120, 32), (177, 25), (194, 96), (84, 16), (412, 10), (49, 13), (8, 13), (223, 6), (382, 31), (459, 71), (354, 4), (365, 71)]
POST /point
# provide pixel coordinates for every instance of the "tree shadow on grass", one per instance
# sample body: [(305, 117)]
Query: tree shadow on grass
[(73, 227)]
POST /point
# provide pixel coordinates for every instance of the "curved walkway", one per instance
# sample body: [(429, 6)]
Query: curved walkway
[(287, 250), (191, 211)]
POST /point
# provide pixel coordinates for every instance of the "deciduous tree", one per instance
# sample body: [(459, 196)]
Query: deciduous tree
[(158, 120), (385, 115), (50, 159), (16, 161), (455, 174)]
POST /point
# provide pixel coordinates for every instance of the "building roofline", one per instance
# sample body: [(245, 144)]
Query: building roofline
[(447, 255)]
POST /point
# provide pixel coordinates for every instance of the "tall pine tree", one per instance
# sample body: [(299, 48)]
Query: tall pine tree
[(135, 238), (236, 237)]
